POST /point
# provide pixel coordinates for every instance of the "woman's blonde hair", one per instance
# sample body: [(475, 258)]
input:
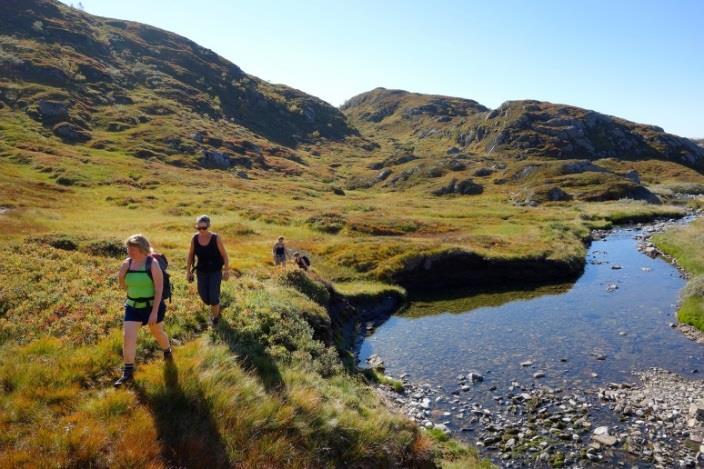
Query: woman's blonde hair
[(139, 241)]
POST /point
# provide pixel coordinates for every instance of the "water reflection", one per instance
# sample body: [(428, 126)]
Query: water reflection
[(622, 313), (466, 299)]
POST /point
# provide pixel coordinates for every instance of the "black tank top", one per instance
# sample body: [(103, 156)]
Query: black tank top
[(209, 257)]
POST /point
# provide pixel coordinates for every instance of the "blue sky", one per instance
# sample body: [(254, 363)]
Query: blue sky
[(641, 60)]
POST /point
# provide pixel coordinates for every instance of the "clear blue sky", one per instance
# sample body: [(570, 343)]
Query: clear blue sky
[(641, 60)]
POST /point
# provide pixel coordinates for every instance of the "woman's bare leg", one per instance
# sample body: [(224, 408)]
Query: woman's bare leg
[(159, 334), (129, 342)]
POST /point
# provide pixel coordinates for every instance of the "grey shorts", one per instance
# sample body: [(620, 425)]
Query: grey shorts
[(209, 287), (279, 259)]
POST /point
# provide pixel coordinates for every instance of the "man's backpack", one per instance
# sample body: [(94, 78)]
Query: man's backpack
[(163, 264)]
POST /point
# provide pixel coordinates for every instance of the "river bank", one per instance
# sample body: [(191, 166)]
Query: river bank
[(536, 424)]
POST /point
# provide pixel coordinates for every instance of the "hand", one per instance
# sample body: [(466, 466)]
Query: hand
[(152, 317), (226, 275), (189, 277)]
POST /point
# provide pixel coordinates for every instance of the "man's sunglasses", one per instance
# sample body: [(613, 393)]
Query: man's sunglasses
[(199, 228)]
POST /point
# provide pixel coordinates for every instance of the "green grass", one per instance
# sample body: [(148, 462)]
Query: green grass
[(368, 291), (692, 311), (261, 372), (686, 245)]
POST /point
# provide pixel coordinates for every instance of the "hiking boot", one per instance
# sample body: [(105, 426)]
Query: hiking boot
[(216, 320), (127, 376), (168, 355)]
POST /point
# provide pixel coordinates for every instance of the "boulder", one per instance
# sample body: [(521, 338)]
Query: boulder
[(556, 194), (199, 136), (376, 362), (215, 160), (633, 176), (455, 165), (383, 174), (52, 111), (601, 436), (71, 133), (483, 172), (582, 166), (464, 187), (468, 187)]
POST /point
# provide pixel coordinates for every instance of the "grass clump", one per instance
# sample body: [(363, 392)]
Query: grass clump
[(327, 222), (106, 248), (368, 291), (686, 245)]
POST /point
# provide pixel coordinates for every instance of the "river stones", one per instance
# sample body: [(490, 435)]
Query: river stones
[(375, 362), (606, 440), (696, 410)]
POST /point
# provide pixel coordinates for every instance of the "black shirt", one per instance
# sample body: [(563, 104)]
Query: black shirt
[(209, 257)]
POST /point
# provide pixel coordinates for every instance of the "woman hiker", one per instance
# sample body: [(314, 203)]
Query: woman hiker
[(213, 265), (279, 252), (301, 261), (142, 277)]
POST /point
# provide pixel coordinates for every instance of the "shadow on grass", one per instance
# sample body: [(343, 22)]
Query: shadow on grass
[(252, 354), (186, 428)]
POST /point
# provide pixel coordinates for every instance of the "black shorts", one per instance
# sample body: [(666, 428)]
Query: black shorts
[(209, 287), (142, 314)]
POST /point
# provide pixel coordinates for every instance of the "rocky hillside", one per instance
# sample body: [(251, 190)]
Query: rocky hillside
[(134, 89), (519, 128), (105, 82), (536, 151)]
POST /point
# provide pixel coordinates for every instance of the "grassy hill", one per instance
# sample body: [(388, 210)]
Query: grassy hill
[(109, 128)]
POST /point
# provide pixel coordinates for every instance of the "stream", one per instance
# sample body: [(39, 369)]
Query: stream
[(473, 361)]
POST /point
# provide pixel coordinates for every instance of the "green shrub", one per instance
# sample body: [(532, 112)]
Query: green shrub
[(57, 241), (327, 222), (105, 248)]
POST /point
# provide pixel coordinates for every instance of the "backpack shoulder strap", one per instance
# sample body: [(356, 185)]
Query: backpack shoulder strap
[(148, 266)]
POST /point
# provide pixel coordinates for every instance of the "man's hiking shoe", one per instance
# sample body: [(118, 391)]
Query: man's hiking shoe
[(127, 376), (216, 320), (168, 355)]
